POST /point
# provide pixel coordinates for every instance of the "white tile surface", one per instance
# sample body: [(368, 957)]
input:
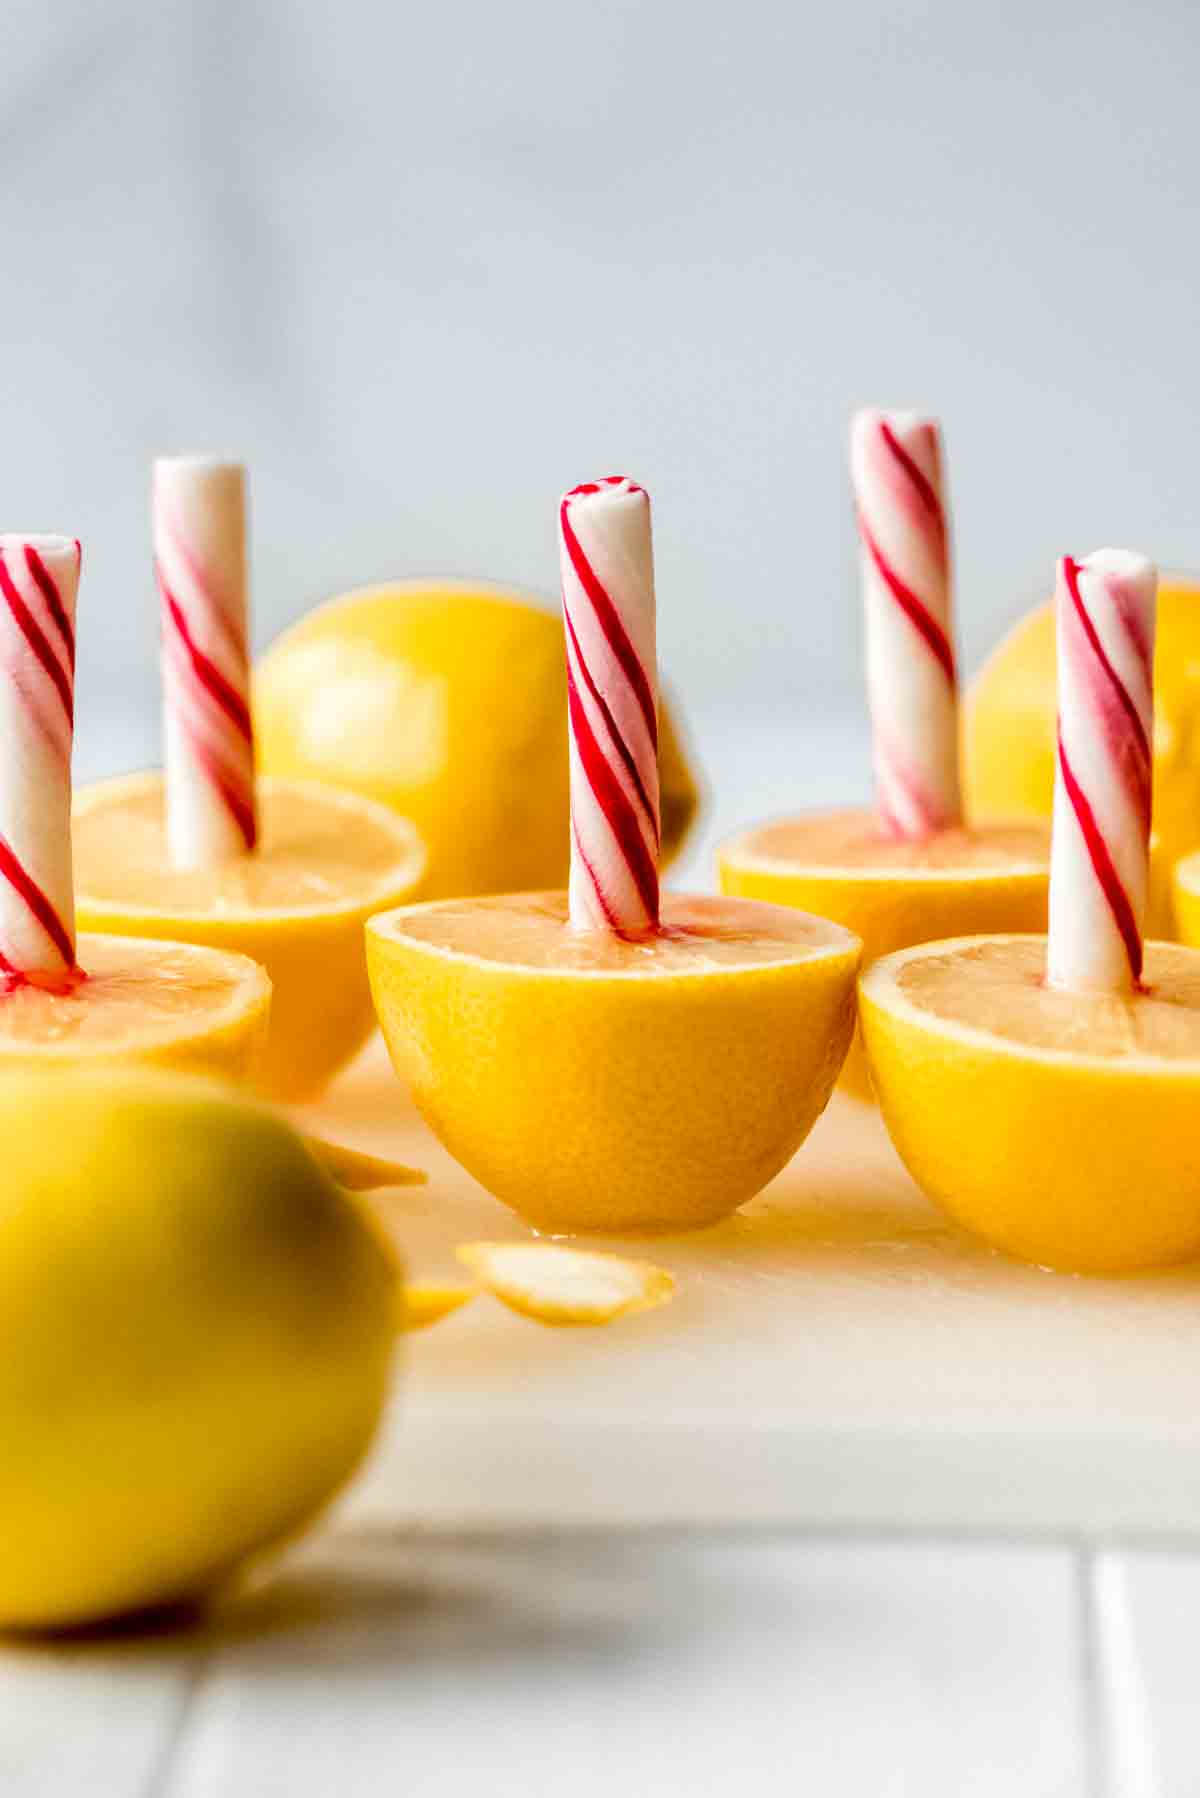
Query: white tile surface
[(91, 1716), (653, 1665), (1145, 1606)]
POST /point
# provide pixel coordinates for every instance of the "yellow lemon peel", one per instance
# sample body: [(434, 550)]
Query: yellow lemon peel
[(564, 1286), (357, 1171), (427, 1303)]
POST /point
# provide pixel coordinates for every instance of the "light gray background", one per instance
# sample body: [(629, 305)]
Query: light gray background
[(424, 265)]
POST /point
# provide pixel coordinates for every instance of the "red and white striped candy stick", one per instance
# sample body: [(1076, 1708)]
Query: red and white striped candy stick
[(912, 681), (39, 577), (200, 562), (1100, 847), (612, 695)]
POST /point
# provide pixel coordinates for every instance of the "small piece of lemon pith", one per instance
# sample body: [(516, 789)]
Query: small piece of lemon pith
[(562, 1286)]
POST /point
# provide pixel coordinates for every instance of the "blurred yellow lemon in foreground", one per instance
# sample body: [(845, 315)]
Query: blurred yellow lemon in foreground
[(594, 1082), (326, 860), (1009, 732), (195, 1336), (1058, 1125), (448, 702)]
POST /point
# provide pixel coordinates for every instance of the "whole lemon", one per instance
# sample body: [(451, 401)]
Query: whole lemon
[(1010, 722), (447, 701), (195, 1340)]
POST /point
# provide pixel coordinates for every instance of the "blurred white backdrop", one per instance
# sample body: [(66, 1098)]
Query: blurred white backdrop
[(423, 266)]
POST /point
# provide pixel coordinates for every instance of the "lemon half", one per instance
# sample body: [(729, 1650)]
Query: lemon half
[(890, 891), (1058, 1125), (598, 1083), (326, 860), (164, 1005)]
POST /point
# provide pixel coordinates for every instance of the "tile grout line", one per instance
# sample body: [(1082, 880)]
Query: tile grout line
[(1128, 1739), (161, 1777), (1094, 1695)]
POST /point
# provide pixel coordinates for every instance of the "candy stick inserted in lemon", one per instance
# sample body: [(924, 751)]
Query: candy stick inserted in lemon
[(89, 1000), (606, 1059), (1044, 1091), (284, 871), (913, 869)]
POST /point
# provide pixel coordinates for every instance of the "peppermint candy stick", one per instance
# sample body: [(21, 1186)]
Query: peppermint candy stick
[(39, 578), (612, 679), (199, 516), (912, 681), (1100, 847)]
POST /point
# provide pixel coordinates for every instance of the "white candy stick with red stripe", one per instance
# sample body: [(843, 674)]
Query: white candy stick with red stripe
[(612, 693), (199, 515), (1100, 848), (39, 578), (912, 682)]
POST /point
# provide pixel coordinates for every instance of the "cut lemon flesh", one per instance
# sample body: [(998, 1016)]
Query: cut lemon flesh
[(893, 892), (999, 988), (317, 849), (152, 1003), (566, 1286), (1060, 1126), (594, 1082), (851, 843), (531, 931), (325, 861)]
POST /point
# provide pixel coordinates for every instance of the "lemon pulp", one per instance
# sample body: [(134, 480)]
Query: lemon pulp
[(851, 841), (699, 935), (313, 852), (143, 1001), (326, 860), (1000, 988)]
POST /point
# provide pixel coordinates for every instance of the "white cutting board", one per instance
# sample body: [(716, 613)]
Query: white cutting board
[(838, 1354)]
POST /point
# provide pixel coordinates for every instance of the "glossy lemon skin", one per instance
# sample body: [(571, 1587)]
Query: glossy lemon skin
[(448, 702), (1009, 722), (321, 1013), (611, 1102), (1072, 1163), (892, 911), (1186, 894), (195, 1339)]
